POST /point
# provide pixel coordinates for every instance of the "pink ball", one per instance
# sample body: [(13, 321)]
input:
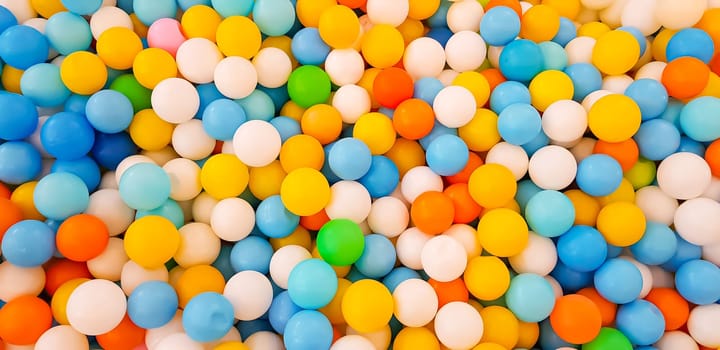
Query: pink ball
[(166, 34)]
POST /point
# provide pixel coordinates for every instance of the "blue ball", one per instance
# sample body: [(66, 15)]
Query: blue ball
[(309, 48), (326, 170), (248, 328), (258, 106), (684, 252), (672, 112), (582, 248), (618, 281), (447, 155), (278, 95), (28, 243), (508, 93), (526, 189), (67, 135), (586, 79), (312, 284), (554, 55), (437, 131), (227, 8), (85, 168), (439, 18), (695, 122), (354, 275), (550, 213), (61, 195), (689, 145), (152, 304), (440, 34), (170, 210), (76, 103), (650, 95), (144, 186), (549, 339), (281, 310), (499, 26), (20, 162), (110, 149), (698, 281), (42, 84), (599, 175), (207, 93), (566, 32), (274, 17), (308, 330), (540, 141), (149, 11), (208, 317), (398, 275), (18, 116), (274, 220), (251, 253), (23, 46), (530, 297), (521, 60), (378, 257), (7, 19), (82, 7), (657, 139), (350, 158), (613, 251), (519, 123), (690, 42), (109, 111), (223, 263), (639, 36), (657, 245), (287, 127), (427, 88), (641, 322), (571, 280), (186, 4), (382, 178)]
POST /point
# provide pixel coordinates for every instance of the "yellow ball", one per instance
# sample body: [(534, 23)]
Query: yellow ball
[(200, 21), (22, 196), (624, 193), (118, 46), (224, 176), (283, 43), (83, 73), (339, 26), (238, 36), (549, 87), (492, 185), (659, 44), (153, 65), (367, 81), (138, 26), (481, 133), (383, 46), (411, 29), (500, 326), (615, 52), (301, 151), (11, 77), (292, 110), (367, 306), (305, 191), (593, 29), (614, 118), (411, 338), (529, 334), (621, 223), (309, 12), (198, 279), (642, 173), (333, 310), (540, 23), (406, 154), (489, 346), (565, 8), (47, 8), (58, 303), (300, 237), (149, 132), (423, 9), (713, 86), (503, 232), (586, 207), (377, 131), (487, 277), (151, 241), (476, 83), (231, 345), (265, 181)]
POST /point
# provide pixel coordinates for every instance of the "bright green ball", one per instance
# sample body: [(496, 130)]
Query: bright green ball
[(642, 173), (308, 86), (340, 242), (609, 339)]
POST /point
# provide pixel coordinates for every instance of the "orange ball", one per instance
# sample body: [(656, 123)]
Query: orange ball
[(316, 221), (513, 4), (413, 119), (715, 63), (433, 212), (82, 237), (494, 77), (11, 214), (392, 86), (24, 319), (625, 152), (126, 336), (60, 271), (4, 191), (576, 319), (685, 77), (466, 209), (607, 309), (712, 157), (474, 162), (406, 154), (353, 4), (672, 305), (323, 122), (448, 292)]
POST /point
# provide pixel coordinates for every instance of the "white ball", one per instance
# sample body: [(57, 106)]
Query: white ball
[(419, 180), (388, 216), (443, 258), (235, 77), (662, 278), (564, 121), (232, 219), (447, 76), (678, 15), (465, 15), (409, 247), (381, 339), (493, 55), (713, 191), (155, 335), (34, 138), (107, 181), (250, 293), (108, 17), (652, 70), (352, 101), (344, 66), (108, 206), (62, 337), (17, 281), (683, 175), (175, 100), (161, 156), (454, 106), (424, 57), (579, 50), (257, 143), (617, 84), (191, 141), (178, 341), (264, 341), (128, 162), (198, 245), (96, 307), (511, 156), (458, 325), (583, 149), (552, 168), (109, 264), (647, 276), (465, 51), (698, 221), (196, 60), (557, 288), (656, 204), (611, 14), (711, 253), (466, 235), (133, 275), (538, 257), (352, 342), (22, 9), (273, 67), (593, 97), (184, 179), (702, 325), (596, 4), (392, 12), (284, 260), (202, 207), (640, 14), (676, 340), (349, 200), (416, 302)]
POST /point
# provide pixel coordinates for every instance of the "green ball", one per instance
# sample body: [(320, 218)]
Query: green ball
[(138, 95), (642, 173), (308, 86), (340, 242), (609, 339)]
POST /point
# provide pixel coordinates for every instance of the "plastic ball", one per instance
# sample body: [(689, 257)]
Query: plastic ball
[(63, 334), (515, 63), (281, 309), (308, 86), (340, 242), (315, 294), (693, 125), (686, 184), (698, 324), (197, 235), (284, 260), (552, 167), (695, 282), (42, 84), (519, 124), (599, 175), (305, 191), (607, 281), (604, 121), (308, 329), (499, 224), (251, 253), (146, 236), (175, 100), (500, 25), (454, 106), (641, 321), (339, 27), (23, 46), (382, 46), (250, 294), (415, 302), (67, 135), (24, 319), (118, 46), (576, 319), (207, 317), (691, 219), (109, 111), (19, 162), (152, 304), (144, 186), (367, 306), (424, 57), (530, 297), (351, 101), (543, 96), (273, 67), (465, 51), (538, 257), (256, 143), (685, 77), (20, 118), (381, 221), (443, 270), (545, 224), (564, 121), (85, 228), (458, 325), (28, 236), (61, 195), (96, 307)]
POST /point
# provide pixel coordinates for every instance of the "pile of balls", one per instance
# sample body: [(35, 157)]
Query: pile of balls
[(360, 174)]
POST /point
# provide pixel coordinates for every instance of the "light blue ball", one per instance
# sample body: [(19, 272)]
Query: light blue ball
[(550, 213), (109, 111), (76, 103), (447, 155), (281, 310), (170, 210), (571, 280), (519, 123), (427, 88), (399, 275), (251, 253), (690, 42), (82, 7), (144, 186), (582, 248), (61, 195), (208, 317), (28, 243), (549, 339), (67, 135), (566, 32), (20, 162), (530, 297), (526, 189), (618, 281), (698, 281), (186, 4), (382, 178), (639, 37), (208, 93), (152, 304), (274, 17), (257, 106), (650, 95), (350, 158), (694, 120), (308, 330), (521, 60), (42, 84), (540, 141), (309, 48), (326, 170), (586, 79), (287, 127), (378, 257), (278, 95), (7, 19), (689, 145), (222, 118), (599, 175), (684, 252), (227, 8), (85, 168), (554, 55), (274, 220), (437, 131), (23, 46), (499, 26), (657, 139), (312, 284), (18, 116), (149, 11), (641, 322), (508, 93), (672, 112), (657, 245)]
